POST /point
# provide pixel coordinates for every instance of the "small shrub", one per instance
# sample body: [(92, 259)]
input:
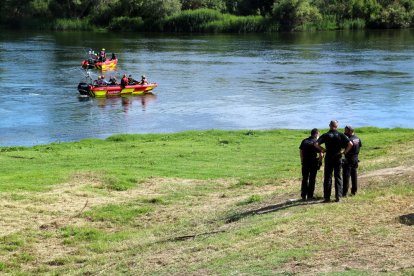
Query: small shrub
[(119, 184), (251, 199)]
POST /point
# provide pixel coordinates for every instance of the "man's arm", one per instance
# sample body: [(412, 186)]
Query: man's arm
[(348, 147), (321, 149), (301, 156)]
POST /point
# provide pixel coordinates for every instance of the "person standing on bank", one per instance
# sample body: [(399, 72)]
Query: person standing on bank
[(334, 143), (310, 164), (350, 164)]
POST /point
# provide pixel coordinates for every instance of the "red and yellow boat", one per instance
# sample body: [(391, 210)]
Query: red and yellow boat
[(86, 89), (109, 64)]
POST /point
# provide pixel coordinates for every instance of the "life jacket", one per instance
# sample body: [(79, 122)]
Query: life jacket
[(124, 81)]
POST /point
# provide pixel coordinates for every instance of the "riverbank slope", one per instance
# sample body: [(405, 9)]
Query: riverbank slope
[(205, 202)]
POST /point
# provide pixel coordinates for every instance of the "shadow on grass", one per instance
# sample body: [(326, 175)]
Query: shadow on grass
[(260, 211), (407, 219), (271, 208)]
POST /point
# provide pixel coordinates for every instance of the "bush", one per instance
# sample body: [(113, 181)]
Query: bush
[(72, 24), (326, 23), (353, 24), (395, 16), (125, 23), (191, 20), (237, 24), (293, 13)]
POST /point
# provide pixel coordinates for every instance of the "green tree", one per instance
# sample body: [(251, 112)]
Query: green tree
[(158, 9), (14, 9), (105, 10), (203, 4), (292, 13), (71, 8), (395, 16), (364, 9), (249, 7)]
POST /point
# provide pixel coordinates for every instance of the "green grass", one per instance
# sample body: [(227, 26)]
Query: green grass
[(64, 24), (244, 155), (161, 204), (117, 213)]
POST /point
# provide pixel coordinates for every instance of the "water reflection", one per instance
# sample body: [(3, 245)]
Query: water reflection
[(126, 102)]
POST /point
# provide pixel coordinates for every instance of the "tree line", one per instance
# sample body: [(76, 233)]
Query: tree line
[(208, 15)]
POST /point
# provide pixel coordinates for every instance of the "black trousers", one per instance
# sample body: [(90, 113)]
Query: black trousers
[(309, 171), (332, 165), (350, 170)]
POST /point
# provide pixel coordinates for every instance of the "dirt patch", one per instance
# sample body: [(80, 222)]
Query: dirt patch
[(388, 172)]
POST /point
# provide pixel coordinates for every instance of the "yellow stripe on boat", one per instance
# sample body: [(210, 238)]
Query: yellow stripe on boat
[(127, 90), (100, 93), (138, 92)]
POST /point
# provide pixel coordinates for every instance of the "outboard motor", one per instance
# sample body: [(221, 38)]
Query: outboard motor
[(83, 88)]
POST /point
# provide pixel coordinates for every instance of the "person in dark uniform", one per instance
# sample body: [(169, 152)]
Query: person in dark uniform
[(350, 164), (334, 142), (310, 164)]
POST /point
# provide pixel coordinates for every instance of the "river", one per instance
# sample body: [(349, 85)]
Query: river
[(267, 81)]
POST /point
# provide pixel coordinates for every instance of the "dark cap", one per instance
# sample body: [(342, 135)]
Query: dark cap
[(349, 127)]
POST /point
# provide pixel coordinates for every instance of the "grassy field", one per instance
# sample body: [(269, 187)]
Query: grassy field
[(201, 203)]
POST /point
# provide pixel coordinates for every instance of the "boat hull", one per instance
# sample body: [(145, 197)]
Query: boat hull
[(109, 64), (115, 90)]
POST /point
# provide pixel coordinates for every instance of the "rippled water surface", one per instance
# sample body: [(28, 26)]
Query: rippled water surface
[(295, 81)]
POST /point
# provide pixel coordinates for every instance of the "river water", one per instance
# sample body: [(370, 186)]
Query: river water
[(289, 81)]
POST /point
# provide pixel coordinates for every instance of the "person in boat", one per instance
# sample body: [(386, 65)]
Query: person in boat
[(101, 81), (131, 80), (124, 81), (143, 80), (113, 81), (102, 55), (113, 56), (95, 82)]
